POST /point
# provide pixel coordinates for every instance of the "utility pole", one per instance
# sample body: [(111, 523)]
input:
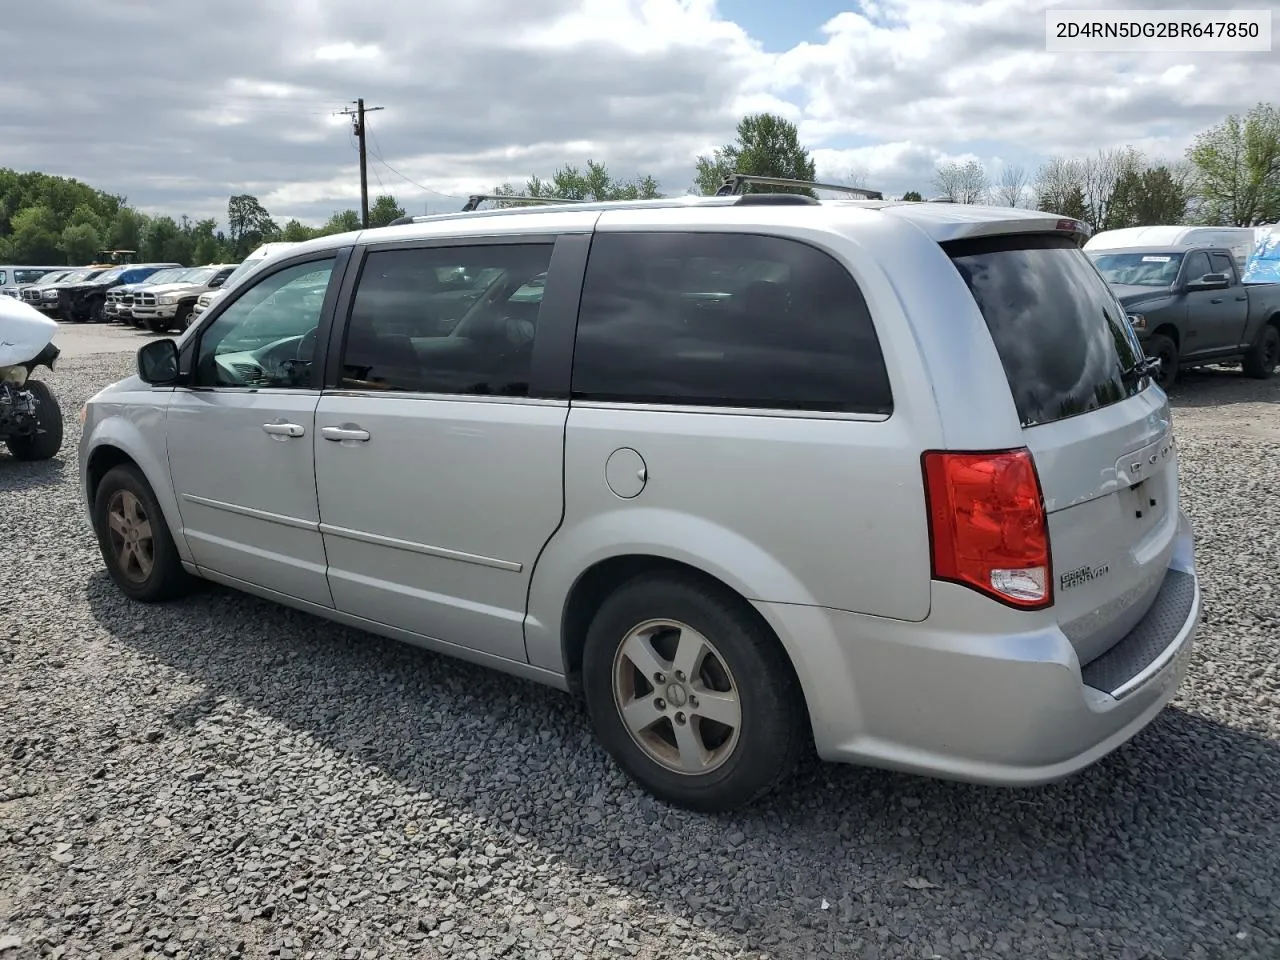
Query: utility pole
[(357, 119)]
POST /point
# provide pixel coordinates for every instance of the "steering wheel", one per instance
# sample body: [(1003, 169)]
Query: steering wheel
[(307, 346)]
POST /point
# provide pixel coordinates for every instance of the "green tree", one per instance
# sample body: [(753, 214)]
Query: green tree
[(126, 229), (205, 246), (767, 145), (81, 243), (159, 240), (85, 215), (1073, 204), (249, 223), (342, 221), (1238, 168), (593, 183), (36, 235), (295, 231), (1145, 199), (384, 211), (912, 195)]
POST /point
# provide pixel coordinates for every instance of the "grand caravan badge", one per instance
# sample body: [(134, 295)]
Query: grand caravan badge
[(1074, 578)]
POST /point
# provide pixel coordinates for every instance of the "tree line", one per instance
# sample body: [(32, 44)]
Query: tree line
[(48, 220), (1229, 176)]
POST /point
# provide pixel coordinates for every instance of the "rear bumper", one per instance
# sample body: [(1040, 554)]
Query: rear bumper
[(967, 695)]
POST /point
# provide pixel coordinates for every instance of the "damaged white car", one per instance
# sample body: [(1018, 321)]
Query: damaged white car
[(30, 419)]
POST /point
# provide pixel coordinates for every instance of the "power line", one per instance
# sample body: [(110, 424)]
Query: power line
[(377, 155)]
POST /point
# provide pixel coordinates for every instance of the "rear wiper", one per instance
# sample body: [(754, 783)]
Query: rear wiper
[(1143, 367)]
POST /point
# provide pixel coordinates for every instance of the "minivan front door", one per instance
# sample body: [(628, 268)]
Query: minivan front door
[(439, 478), (239, 439)]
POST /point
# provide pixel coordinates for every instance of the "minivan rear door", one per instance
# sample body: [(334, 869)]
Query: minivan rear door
[(1099, 429)]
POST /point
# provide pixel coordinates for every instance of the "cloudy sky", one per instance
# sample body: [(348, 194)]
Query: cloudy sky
[(179, 104)]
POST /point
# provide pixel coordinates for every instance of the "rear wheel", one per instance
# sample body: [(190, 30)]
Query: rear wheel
[(136, 545), (1264, 356), (691, 695), (45, 443), (1166, 351)]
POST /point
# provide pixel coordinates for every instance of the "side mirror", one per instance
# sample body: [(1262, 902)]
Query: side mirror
[(217, 282), (158, 362), (1210, 281)]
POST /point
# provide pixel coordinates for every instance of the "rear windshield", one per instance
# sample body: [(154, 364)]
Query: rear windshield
[(1065, 343)]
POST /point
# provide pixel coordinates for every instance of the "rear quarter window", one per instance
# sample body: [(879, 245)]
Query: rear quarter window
[(1063, 339), (725, 319)]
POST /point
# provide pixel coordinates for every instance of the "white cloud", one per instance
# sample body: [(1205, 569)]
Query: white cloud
[(348, 51), (200, 104)]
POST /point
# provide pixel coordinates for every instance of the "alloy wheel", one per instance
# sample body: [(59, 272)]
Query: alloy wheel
[(129, 530), (677, 697)]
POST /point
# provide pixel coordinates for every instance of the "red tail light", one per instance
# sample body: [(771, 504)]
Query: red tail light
[(987, 525)]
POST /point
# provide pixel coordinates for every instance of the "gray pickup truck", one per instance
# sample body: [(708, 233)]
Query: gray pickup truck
[(1190, 309)]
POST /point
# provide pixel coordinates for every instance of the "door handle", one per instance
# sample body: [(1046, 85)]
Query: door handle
[(283, 429), (1243, 296), (338, 434), (1216, 300)]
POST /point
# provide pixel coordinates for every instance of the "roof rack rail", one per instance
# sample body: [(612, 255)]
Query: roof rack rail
[(478, 198), (735, 183), (775, 199)]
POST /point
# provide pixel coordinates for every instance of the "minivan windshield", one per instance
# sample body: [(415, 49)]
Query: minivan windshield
[(1138, 269), (1065, 343)]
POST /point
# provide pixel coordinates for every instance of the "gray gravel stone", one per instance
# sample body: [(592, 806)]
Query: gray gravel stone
[(223, 778)]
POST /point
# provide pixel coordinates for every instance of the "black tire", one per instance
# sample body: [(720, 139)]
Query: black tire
[(98, 312), (1163, 348), (158, 326), (182, 319), (45, 443), (773, 725), (1264, 356), (164, 579)]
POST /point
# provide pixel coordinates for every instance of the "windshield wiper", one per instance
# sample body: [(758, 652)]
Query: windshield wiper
[(1143, 367)]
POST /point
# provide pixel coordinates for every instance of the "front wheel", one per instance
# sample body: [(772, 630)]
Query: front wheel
[(1166, 351), (158, 326), (182, 319), (1264, 356), (45, 443), (98, 312), (691, 694), (136, 545)]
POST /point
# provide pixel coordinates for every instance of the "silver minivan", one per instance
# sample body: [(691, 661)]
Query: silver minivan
[(752, 475)]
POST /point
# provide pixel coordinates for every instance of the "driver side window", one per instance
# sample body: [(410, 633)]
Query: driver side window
[(266, 338)]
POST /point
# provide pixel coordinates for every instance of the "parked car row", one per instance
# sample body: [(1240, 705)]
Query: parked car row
[(159, 296), (13, 276), (165, 300), (80, 295)]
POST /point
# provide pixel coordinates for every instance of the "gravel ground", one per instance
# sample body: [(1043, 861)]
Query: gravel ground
[(222, 777)]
